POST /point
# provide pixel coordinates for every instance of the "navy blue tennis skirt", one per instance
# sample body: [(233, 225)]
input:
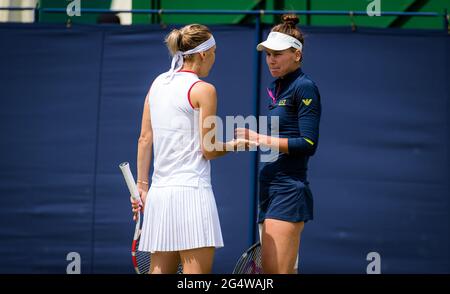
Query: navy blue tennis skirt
[(285, 199)]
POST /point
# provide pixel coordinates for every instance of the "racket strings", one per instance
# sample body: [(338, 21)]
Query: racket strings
[(143, 259), (250, 261)]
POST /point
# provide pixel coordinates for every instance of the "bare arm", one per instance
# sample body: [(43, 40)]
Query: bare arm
[(204, 97), (144, 155), (273, 142)]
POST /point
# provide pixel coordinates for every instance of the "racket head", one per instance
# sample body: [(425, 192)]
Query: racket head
[(250, 261), (142, 259)]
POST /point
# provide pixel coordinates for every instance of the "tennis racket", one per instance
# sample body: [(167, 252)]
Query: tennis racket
[(141, 259), (250, 261)]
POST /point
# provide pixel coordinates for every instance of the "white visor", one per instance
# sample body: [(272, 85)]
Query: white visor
[(279, 41)]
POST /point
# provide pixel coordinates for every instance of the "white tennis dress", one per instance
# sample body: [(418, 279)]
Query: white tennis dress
[(180, 210)]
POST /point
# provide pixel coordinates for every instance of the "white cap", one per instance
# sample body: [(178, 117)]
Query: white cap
[(279, 41)]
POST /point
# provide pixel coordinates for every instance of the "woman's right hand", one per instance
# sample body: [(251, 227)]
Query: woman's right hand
[(243, 133), (138, 205), (241, 145)]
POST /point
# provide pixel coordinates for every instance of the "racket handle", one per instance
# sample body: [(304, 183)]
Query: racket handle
[(125, 168)]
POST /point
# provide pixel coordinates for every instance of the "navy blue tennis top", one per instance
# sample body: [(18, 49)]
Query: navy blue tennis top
[(295, 99)]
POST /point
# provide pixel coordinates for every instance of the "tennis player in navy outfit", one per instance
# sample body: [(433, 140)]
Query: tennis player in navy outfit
[(285, 198)]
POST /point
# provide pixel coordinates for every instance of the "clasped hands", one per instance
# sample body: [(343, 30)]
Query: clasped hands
[(245, 140)]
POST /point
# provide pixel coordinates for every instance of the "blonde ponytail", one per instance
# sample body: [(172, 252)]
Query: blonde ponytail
[(173, 40)]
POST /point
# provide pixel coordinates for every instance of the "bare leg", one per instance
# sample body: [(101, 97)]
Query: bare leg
[(164, 262), (280, 244), (197, 261)]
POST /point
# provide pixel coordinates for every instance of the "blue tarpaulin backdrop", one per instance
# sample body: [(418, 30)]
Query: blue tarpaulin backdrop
[(70, 108)]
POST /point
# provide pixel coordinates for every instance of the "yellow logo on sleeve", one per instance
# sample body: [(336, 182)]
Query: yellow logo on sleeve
[(282, 102), (307, 101)]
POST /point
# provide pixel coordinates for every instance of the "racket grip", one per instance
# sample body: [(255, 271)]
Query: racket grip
[(125, 168)]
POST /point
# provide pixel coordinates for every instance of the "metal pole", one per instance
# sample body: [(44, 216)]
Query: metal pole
[(308, 16), (225, 12), (228, 12), (254, 155), (446, 27)]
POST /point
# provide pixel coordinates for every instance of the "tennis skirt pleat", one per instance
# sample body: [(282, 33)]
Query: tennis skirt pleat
[(180, 218)]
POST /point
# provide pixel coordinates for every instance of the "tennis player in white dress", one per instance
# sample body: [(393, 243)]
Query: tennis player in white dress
[(181, 222)]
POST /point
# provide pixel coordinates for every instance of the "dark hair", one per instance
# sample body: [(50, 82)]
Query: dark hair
[(289, 27)]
